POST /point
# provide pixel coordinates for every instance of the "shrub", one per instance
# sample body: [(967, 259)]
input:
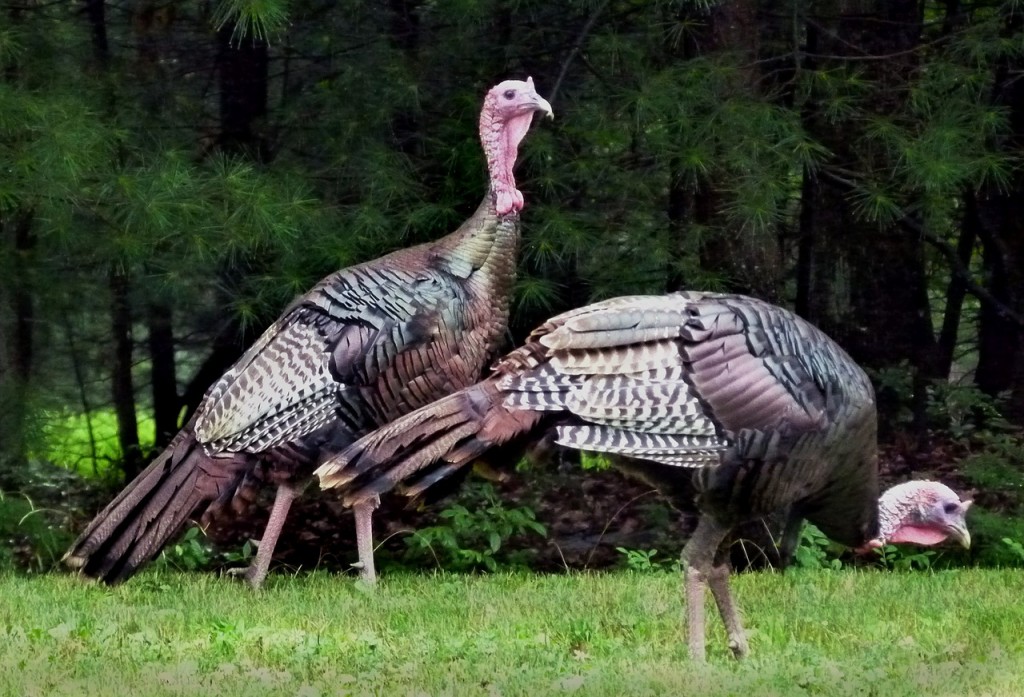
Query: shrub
[(473, 534)]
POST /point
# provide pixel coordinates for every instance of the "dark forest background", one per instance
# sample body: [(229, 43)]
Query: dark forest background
[(173, 173)]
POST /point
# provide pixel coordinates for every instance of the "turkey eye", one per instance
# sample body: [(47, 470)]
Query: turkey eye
[(950, 508), (509, 94)]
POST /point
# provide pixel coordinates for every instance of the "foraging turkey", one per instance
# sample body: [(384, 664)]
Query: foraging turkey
[(364, 346), (741, 401)]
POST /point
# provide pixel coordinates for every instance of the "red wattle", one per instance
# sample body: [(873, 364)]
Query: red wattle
[(918, 535)]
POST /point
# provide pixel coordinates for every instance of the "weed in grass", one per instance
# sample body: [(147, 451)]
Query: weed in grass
[(906, 558), (33, 537)]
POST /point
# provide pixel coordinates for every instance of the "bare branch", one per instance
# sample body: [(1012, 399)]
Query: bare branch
[(906, 221), (576, 46), (962, 272)]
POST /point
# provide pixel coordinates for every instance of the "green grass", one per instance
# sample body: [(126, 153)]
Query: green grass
[(87, 445), (812, 633)]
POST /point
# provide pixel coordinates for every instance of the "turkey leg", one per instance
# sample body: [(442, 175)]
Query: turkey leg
[(255, 573), (697, 559), (790, 538), (364, 539), (719, 583)]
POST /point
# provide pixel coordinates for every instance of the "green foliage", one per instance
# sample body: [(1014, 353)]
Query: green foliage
[(677, 158), (190, 553), (1016, 549), (962, 410), (996, 468), (815, 550), (897, 558), (995, 538), (87, 443), (242, 555), (249, 19), (643, 561), (474, 536), (31, 538), (966, 411), (594, 461)]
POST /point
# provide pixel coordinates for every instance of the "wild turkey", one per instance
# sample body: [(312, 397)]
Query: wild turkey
[(365, 345), (724, 395)]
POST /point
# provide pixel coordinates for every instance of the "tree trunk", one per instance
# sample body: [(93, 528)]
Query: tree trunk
[(805, 247), (867, 286), (122, 384), (17, 347), (1001, 214), (749, 263), (243, 94), (404, 33), (956, 292), (243, 70), (166, 404), (96, 11)]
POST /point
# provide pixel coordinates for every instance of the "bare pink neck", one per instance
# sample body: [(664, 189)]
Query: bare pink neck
[(500, 140)]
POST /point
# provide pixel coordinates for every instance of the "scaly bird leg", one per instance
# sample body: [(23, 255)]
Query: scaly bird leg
[(364, 538), (719, 583), (694, 601), (697, 558), (256, 573)]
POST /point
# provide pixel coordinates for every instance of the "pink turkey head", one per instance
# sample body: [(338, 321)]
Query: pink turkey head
[(505, 119), (921, 512)]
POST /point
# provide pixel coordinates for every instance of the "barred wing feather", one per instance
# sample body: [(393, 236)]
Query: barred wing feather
[(673, 379), (357, 336)]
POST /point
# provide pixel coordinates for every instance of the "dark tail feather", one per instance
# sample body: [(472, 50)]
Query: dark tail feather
[(426, 445), (135, 526)]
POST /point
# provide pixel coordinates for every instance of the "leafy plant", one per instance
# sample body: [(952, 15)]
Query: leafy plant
[(474, 537), (640, 559), (897, 558), (594, 461), (964, 410), (815, 550), (996, 538), (191, 552), (242, 555), (996, 467), (1016, 548)]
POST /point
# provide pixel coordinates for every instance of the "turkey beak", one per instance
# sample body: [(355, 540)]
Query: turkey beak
[(541, 104), (959, 532), (958, 529)]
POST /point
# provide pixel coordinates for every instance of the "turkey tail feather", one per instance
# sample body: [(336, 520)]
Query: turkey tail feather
[(134, 527), (426, 445)]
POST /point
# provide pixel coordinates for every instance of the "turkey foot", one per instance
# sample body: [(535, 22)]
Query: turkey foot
[(697, 558), (719, 583), (256, 573)]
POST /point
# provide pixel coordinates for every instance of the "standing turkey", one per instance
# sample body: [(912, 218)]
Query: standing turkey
[(364, 346), (741, 401)]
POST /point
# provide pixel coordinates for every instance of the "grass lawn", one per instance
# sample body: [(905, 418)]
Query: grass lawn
[(812, 633)]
